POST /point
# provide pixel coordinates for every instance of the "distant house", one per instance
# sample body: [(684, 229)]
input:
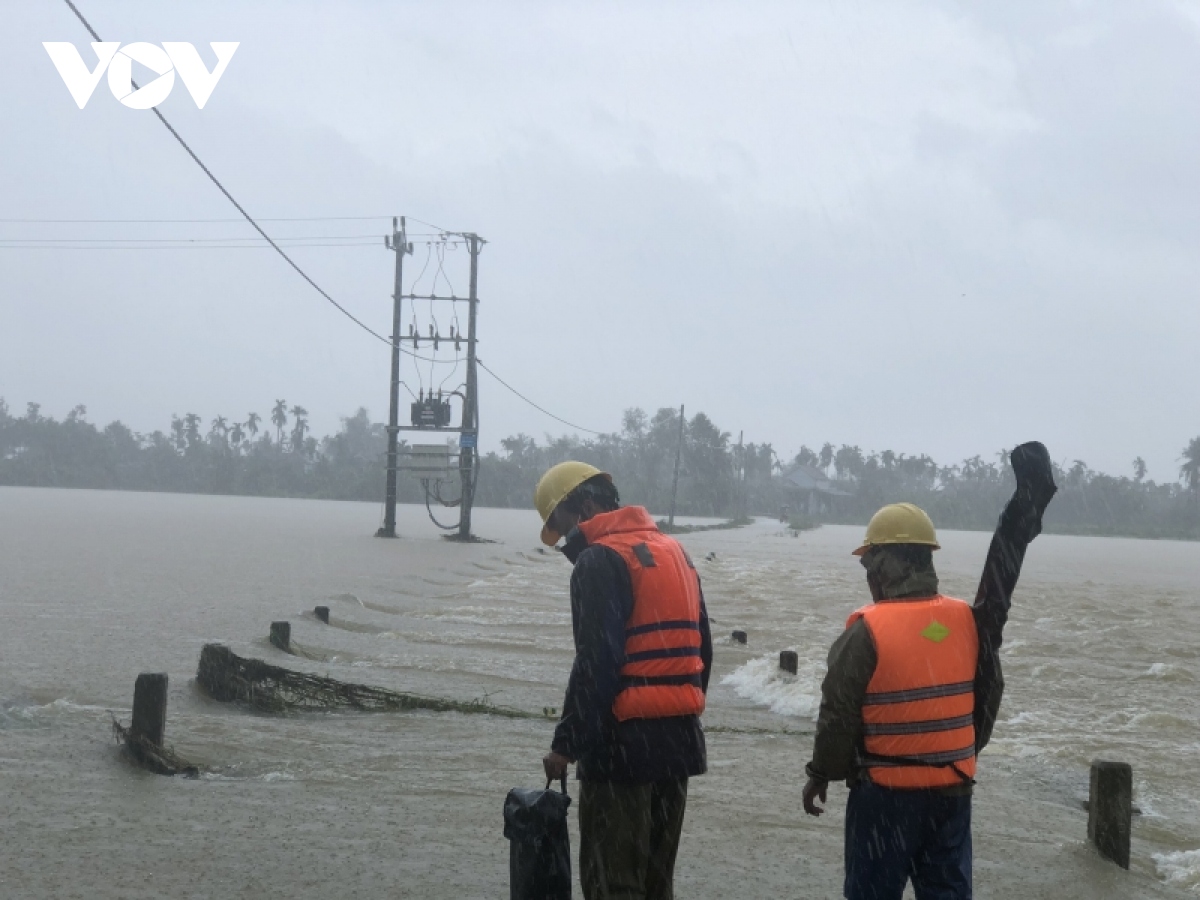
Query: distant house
[(810, 491)]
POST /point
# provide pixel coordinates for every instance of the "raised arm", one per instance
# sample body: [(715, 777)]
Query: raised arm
[(1020, 523)]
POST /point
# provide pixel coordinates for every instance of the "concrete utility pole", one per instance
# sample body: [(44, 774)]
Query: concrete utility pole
[(741, 478), (675, 479), (430, 411), (468, 440), (399, 243)]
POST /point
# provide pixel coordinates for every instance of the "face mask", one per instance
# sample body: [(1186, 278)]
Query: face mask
[(573, 544), (891, 575)]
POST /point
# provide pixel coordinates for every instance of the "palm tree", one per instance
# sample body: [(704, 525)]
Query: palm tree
[(252, 421), (1139, 469), (826, 457), (237, 435), (1189, 472), (191, 429), (218, 433), (301, 426), (279, 418)]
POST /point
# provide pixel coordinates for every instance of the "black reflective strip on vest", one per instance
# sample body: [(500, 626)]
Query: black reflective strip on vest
[(688, 559), (634, 681), (945, 758), (925, 693), (680, 624), (665, 653), (645, 557), (925, 727)]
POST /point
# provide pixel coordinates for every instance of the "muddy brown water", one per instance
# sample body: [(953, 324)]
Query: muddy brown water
[(1101, 660)]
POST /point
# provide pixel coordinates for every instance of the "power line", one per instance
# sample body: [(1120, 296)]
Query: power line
[(237, 205), (191, 221), (374, 238), (531, 403), (431, 225), (213, 178), (4, 246), (133, 243)]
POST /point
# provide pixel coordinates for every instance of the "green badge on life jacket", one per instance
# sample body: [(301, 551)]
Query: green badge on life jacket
[(936, 632)]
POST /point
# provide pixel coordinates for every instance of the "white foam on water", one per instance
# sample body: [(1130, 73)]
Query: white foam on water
[(56, 706), (1147, 803), (511, 614), (1157, 669), (1181, 868), (269, 777), (762, 681)]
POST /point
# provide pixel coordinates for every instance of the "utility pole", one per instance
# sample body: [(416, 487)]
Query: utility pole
[(399, 243), (468, 441), (741, 478), (675, 479)]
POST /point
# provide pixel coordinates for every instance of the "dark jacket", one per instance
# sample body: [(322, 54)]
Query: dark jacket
[(852, 659), (637, 750)]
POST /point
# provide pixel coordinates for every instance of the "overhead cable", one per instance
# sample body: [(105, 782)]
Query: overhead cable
[(83, 246), (353, 318), (297, 268), (531, 403), (374, 239), (207, 222)]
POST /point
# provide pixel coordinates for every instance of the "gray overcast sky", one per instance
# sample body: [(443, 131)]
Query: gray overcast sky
[(930, 227)]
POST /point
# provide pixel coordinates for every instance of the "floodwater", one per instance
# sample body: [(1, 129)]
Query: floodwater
[(1101, 661)]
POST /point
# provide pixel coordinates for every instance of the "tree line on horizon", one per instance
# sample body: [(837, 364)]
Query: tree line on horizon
[(278, 456)]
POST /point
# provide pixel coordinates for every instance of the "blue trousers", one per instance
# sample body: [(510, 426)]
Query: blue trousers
[(893, 835)]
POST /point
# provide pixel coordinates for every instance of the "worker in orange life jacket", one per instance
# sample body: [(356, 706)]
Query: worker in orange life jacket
[(631, 716), (911, 694)]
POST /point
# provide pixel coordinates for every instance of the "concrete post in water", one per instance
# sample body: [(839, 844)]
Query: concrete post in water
[(789, 661), (739, 637), (281, 635), (322, 613), (150, 707), (1110, 810)]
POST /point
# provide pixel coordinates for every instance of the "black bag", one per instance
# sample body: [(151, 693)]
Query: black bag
[(539, 856)]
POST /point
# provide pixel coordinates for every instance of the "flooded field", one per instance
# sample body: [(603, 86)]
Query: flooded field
[(1101, 660)]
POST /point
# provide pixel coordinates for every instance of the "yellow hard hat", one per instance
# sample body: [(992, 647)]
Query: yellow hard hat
[(559, 481), (899, 523)]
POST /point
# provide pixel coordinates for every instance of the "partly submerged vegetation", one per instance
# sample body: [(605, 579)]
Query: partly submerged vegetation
[(279, 457), (802, 522), (228, 678)]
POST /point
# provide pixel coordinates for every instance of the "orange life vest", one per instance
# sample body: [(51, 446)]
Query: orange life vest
[(661, 673), (918, 714)]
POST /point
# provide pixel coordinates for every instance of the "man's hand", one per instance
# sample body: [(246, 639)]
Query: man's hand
[(813, 791), (555, 765)]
